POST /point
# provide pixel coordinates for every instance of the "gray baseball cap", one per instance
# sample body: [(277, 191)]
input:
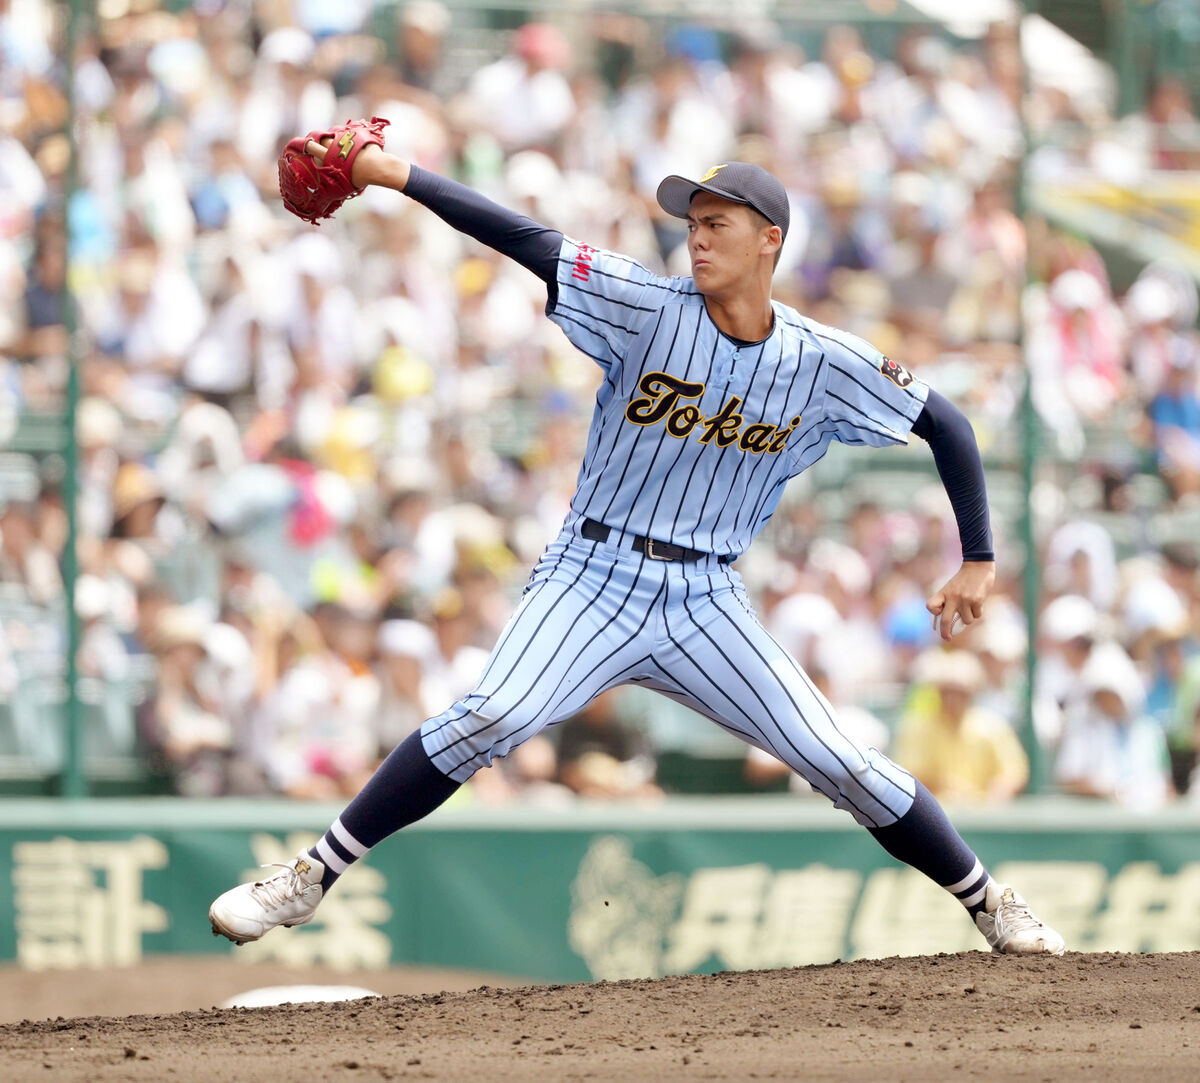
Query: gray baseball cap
[(741, 182)]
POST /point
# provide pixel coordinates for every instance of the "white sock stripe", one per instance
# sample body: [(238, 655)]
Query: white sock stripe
[(347, 840), (974, 897), (330, 858), (975, 873)]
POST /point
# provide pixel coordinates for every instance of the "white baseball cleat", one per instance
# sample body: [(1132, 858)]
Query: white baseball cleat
[(288, 898), (1010, 927)]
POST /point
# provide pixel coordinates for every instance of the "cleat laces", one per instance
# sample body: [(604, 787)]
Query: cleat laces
[(278, 889), (1015, 917)]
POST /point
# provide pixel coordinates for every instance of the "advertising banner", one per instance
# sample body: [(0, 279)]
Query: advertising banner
[(578, 894)]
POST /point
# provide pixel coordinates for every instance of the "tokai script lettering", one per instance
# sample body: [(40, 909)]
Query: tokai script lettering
[(665, 399)]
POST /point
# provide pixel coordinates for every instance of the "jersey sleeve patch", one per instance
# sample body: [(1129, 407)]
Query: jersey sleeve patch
[(869, 398), (895, 372)]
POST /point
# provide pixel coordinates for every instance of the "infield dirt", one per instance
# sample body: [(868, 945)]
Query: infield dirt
[(965, 1016)]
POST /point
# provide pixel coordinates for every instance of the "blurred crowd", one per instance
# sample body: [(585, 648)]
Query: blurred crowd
[(316, 464)]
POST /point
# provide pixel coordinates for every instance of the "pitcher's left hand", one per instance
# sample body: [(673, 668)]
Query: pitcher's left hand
[(962, 598)]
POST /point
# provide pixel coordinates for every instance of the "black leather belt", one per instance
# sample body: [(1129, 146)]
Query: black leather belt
[(655, 550)]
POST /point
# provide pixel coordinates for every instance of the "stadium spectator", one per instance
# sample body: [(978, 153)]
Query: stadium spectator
[(1001, 643), (44, 331), (25, 563), (963, 752), (410, 680), (1081, 560), (420, 44), (1157, 309), (1074, 353), (524, 99), (187, 728), (601, 756), (315, 730), (268, 424), (1067, 631), (1174, 414), (102, 653), (1169, 125), (1109, 748)]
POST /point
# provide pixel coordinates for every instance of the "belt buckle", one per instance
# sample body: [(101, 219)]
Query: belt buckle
[(650, 544)]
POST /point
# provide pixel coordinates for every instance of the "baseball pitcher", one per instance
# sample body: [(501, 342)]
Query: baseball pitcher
[(713, 397)]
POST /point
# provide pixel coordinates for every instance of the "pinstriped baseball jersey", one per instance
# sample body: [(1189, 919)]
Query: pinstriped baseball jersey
[(694, 434)]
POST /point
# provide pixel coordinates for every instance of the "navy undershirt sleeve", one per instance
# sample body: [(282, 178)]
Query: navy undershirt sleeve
[(517, 236), (956, 455)]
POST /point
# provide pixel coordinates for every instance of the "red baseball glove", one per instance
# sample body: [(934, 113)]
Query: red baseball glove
[(313, 190)]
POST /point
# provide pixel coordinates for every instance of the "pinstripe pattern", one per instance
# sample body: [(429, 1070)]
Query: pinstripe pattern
[(807, 383), (773, 690), (693, 438), (588, 618), (781, 660), (603, 616)]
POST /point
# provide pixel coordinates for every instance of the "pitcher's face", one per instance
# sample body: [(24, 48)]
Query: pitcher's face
[(726, 241)]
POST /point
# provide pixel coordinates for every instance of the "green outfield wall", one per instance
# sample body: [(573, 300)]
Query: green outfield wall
[(579, 892)]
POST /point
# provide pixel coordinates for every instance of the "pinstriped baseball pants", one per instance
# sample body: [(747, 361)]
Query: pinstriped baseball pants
[(597, 615)]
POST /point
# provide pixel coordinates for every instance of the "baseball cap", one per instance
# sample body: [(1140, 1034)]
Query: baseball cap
[(1069, 617), (741, 182)]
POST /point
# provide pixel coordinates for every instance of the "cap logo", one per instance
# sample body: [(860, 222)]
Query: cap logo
[(713, 172)]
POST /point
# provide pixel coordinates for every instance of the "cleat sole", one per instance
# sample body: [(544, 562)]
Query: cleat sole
[(218, 931)]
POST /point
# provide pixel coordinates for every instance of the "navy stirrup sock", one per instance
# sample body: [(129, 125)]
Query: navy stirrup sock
[(405, 788), (925, 838)]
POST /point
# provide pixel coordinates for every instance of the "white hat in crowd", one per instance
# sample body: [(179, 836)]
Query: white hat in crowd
[(287, 45), (1153, 605), (93, 597), (950, 669), (426, 15), (1110, 669), (1070, 617), (1076, 291), (1150, 300), (406, 638)]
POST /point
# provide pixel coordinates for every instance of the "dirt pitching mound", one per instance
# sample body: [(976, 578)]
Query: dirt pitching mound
[(947, 1017)]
